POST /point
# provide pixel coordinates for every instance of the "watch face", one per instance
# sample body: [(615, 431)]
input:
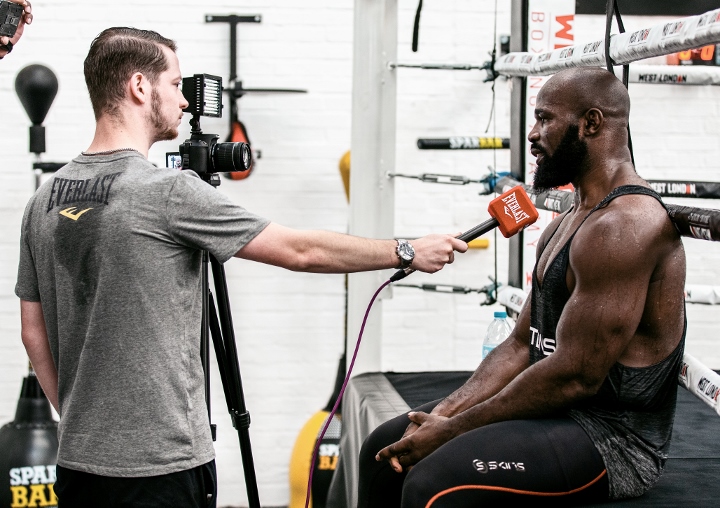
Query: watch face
[(406, 251)]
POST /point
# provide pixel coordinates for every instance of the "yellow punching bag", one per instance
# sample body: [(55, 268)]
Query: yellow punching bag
[(327, 457)]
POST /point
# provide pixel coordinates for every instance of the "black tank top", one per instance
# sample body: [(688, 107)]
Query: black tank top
[(630, 418)]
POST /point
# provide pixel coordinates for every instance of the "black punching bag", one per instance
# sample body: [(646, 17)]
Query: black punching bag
[(28, 451), (36, 86)]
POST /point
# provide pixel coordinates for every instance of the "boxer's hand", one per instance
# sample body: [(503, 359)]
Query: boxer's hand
[(432, 252), (433, 431), (411, 429), (26, 19)]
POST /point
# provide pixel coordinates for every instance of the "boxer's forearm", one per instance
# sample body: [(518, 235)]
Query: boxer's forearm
[(497, 370), (538, 391)]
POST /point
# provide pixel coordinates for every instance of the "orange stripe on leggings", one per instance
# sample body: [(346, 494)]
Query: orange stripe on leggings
[(513, 491)]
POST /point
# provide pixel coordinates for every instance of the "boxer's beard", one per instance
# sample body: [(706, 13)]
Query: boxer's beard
[(565, 164), (164, 131)]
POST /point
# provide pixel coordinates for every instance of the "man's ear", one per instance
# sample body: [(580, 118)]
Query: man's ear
[(593, 121), (139, 88)]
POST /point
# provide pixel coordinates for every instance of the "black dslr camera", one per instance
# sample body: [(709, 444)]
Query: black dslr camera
[(202, 153), (10, 15)]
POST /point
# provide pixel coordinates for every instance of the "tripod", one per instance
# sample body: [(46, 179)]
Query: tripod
[(217, 323)]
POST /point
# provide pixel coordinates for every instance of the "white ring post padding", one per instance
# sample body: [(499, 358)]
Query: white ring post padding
[(663, 39), (683, 75), (701, 381), (695, 293)]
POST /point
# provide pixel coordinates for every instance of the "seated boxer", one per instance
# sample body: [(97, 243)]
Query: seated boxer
[(577, 405)]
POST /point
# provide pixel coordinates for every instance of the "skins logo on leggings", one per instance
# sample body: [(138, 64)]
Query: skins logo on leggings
[(484, 467)]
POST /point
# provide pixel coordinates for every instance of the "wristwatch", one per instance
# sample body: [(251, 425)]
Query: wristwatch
[(405, 252)]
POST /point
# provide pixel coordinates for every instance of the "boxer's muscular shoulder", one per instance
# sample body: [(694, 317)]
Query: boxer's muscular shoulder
[(631, 228)]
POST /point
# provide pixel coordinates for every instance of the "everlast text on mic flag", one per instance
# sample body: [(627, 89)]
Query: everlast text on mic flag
[(513, 210)]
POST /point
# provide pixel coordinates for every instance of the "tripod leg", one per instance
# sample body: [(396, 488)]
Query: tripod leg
[(204, 338), (232, 383), (216, 334)]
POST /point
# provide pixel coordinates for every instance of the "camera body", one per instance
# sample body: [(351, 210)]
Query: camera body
[(10, 16), (202, 153)]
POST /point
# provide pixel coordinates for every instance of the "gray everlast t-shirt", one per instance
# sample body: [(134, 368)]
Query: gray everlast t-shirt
[(111, 247)]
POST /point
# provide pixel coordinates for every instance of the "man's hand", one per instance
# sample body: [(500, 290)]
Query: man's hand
[(26, 19), (429, 433), (432, 252)]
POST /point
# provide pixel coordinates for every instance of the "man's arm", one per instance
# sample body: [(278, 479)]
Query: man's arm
[(35, 340), (26, 19), (610, 267), (328, 252)]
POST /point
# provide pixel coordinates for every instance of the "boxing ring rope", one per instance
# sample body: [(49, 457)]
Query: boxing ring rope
[(659, 40), (687, 75)]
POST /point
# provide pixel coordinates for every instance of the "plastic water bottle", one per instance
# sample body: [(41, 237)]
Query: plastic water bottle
[(498, 331)]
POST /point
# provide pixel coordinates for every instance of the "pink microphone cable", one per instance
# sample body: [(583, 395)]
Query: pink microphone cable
[(340, 396)]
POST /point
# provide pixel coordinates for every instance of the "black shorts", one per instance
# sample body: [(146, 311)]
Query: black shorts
[(543, 462), (192, 488)]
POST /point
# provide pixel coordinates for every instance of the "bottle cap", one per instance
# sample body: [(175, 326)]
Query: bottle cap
[(501, 314)]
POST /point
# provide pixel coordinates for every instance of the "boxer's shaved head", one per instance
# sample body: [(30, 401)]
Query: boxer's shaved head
[(585, 88)]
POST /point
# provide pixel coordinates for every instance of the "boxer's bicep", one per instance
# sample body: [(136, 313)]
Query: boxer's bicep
[(611, 266)]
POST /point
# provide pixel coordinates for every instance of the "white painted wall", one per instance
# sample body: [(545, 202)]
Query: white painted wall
[(290, 326)]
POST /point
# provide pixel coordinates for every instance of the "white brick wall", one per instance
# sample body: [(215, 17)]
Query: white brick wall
[(290, 326)]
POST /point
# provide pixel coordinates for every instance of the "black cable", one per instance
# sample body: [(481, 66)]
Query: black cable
[(416, 28), (492, 298), (611, 7)]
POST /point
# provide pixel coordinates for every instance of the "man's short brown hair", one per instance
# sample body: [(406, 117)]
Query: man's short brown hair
[(115, 55)]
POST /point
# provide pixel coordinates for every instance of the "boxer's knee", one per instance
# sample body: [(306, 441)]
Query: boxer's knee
[(417, 487), (376, 441)]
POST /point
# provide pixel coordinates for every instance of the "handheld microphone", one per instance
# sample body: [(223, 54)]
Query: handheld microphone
[(512, 212)]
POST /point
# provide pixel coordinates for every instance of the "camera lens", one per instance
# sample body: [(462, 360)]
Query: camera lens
[(229, 157)]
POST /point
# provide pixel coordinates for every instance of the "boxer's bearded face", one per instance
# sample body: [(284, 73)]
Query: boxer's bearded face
[(566, 163)]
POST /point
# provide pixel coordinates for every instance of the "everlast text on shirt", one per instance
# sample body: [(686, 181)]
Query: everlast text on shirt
[(93, 190)]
